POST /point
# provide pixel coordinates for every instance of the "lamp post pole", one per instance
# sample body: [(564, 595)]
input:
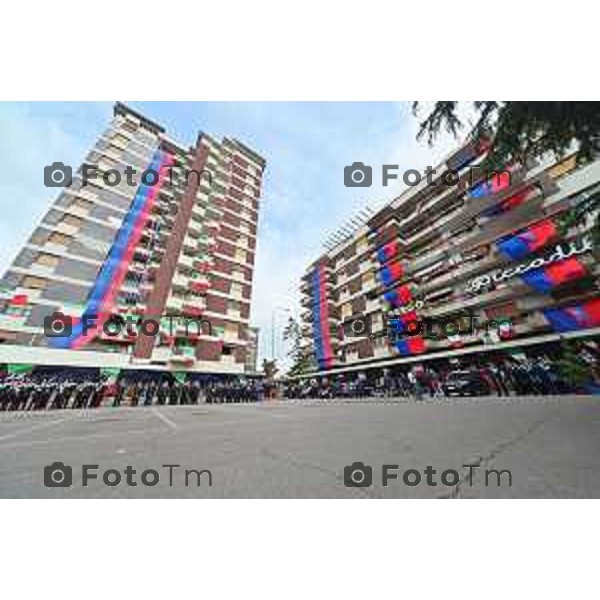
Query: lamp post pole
[(275, 309)]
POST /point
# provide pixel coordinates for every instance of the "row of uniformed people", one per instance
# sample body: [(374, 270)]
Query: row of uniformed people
[(38, 393)]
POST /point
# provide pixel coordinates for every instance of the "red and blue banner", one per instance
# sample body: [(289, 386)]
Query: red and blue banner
[(102, 297), (399, 323), (399, 296), (411, 345), (507, 204), (492, 185), (548, 278), (528, 240), (388, 251), (573, 318), (391, 272), (320, 319), (467, 154)]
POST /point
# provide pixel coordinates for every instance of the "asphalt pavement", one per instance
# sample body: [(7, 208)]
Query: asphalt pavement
[(518, 447)]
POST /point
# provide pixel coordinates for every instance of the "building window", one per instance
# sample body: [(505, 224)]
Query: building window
[(71, 221), (119, 138), (81, 204), (46, 260), (59, 239), (34, 283), (563, 168)]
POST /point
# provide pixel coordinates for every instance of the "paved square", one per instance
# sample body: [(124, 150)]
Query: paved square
[(550, 445)]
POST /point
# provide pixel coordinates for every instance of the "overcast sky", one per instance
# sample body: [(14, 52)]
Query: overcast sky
[(306, 145)]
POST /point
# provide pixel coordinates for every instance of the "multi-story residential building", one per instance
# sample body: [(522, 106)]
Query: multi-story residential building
[(494, 262), (252, 350), (179, 248)]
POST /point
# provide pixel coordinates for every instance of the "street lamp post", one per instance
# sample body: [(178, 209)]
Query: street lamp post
[(275, 309)]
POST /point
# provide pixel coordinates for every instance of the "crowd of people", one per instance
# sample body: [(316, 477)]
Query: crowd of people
[(526, 377), (72, 389), (87, 388)]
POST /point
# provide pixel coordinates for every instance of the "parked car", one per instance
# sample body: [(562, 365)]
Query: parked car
[(465, 383)]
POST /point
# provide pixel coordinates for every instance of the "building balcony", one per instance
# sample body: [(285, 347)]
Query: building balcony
[(184, 356), (234, 313), (382, 352), (351, 357), (204, 239), (153, 267), (227, 359), (190, 244), (345, 295), (212, 226), (186, 260), (123, 337), (306, 301), (137, 267), (237, 295), (203, 265), (193, 308), (41, 270), (373, 305), (174, 304), (198, 211), (238, 276), (161, 354), (231, 337), (70, 230), (307, 330), (180, 281), (199, 283), (195, 227), (78, 211)]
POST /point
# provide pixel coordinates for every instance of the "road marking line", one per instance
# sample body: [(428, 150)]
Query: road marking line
[(164, 419), (33, 428), (76, 438)]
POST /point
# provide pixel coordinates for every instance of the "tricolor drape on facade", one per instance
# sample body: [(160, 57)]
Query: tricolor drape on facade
[(506, 204), (493, 185), (399, 296), (548, 278), (391, 272), (399, 323), (410, 345), (388, 251), (398, 328), (529, 240), (320, 319), (572, 318), (105, 289)]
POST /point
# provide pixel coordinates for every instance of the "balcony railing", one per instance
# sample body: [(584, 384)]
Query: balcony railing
[(183, 355)]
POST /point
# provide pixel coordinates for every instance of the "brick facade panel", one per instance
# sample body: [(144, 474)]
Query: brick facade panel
[(208, 350), (216, 304)]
